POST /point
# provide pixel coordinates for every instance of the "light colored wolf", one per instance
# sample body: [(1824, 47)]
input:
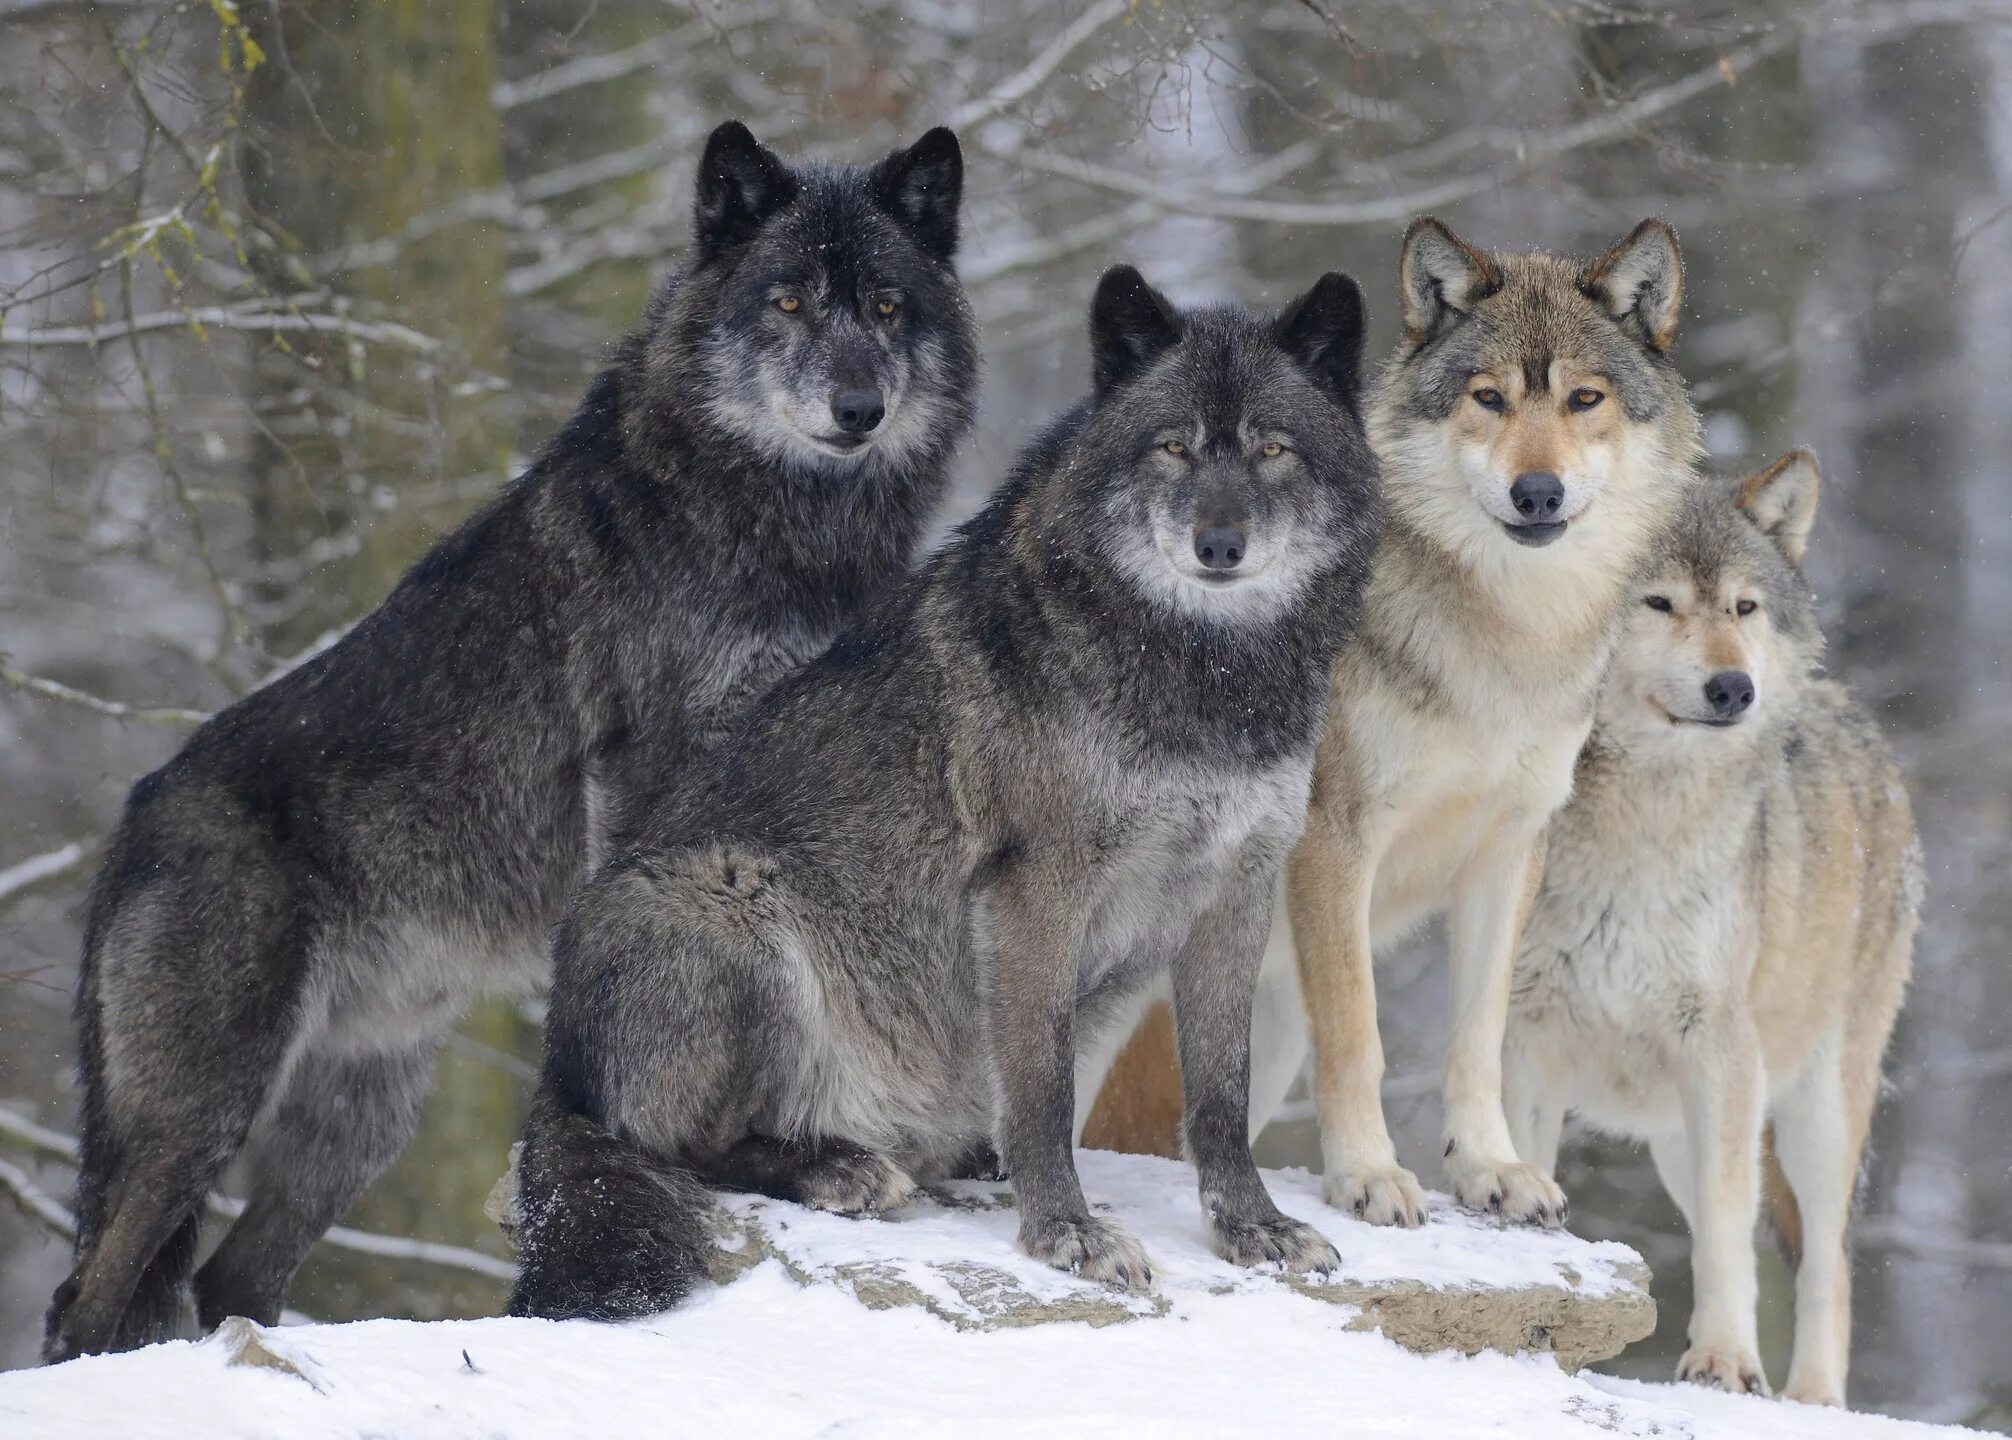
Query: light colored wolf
[(1726, 923)]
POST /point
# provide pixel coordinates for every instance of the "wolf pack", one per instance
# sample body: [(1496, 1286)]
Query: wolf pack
[(852, 869)]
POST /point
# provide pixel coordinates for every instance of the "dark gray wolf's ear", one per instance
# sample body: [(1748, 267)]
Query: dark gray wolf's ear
[(1781, 501), (1641, 282), (1131, 326), (741, 184), (1324, 331), (1441, 277), (921, 187)]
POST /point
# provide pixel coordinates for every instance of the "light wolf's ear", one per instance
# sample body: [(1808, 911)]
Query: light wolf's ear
[(1641, 282), (1324, 330), (1441, 277), (1781, 501), (921, 187), (1131, 326), (741, 184)]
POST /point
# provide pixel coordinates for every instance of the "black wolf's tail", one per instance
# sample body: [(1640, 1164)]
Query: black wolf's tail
[(605, 1232)]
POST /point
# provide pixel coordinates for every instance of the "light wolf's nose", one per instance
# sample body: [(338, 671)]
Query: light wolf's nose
[(1730, 693), (1220, 547), (1538, 496), (857, 411)]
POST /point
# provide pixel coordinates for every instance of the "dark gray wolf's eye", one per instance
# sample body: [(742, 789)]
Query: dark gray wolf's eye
[(1489, 398), (887, 306), (1271, 449), (1175, 447), (1658, 602), (788, 304)]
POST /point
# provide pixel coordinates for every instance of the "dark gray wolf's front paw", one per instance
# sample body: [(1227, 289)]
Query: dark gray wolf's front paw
[(1095, 1249), (1277, 1240)]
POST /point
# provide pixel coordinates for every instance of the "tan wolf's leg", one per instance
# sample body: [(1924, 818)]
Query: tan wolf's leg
[(1723, 1113), (1819, 1130), (1327, 894), (1492, 898)]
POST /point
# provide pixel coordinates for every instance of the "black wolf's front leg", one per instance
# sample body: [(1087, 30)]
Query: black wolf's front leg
[(1036, 920), (1215, 978)]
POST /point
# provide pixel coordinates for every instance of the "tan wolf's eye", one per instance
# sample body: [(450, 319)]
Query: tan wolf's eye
[(1658, 602), (887, 306), (788, 304), (1488, 398), (1746, 607), (1271, 450), (1585, 399), (1175, 447)]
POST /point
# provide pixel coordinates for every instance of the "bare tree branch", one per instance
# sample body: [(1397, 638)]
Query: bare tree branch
[(1023, 82), (244, 319), (25, 875), (114, 709)]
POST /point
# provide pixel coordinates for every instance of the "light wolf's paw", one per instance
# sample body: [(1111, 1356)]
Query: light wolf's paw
[(1382, 1197), (854, 1182), (1093, 1248), (1812, 1389), (1731, 1368), (1508, 1188), (1275, 1240)]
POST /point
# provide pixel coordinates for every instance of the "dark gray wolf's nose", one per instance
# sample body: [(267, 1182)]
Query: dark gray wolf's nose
[(1538, 496), (1731, 693), (857, 411), (1220, 547)]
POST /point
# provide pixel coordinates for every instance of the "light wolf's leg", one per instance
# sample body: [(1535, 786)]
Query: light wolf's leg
[(1278, 1021), (1033, 927), (1492, 898), (1534, 1084), (1723, 1103), (1215, 974), (338, 1125), (1327, 894), (1819, 1133)]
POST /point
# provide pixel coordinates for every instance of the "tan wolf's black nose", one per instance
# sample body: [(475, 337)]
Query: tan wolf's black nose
[(857, 411), (1730, 693), (1538, 496), (1220, 547)]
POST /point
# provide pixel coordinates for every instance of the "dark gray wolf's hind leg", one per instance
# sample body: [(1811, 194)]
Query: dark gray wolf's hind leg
[(339, 1125), (1215, 978), (824, 1174)]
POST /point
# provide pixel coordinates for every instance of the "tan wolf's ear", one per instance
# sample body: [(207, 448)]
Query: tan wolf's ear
[(1781, 501), (1641, 282), (1440, 277)]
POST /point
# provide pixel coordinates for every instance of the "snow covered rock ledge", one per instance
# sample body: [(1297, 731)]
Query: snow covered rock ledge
[(1461, 1283)]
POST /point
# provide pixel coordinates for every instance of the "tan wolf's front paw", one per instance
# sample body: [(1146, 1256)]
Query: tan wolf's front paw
[(1279, 1240), (1382, 1197), (1093, 1248), (1725, 1367), (1508, 1188)]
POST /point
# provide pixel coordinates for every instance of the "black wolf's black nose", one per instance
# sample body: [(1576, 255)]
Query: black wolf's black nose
[(1730, 693), (857, 411), (1220, 547), (1538, 496)]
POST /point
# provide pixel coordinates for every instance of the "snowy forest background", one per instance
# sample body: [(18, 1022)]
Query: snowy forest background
[(288, 286)]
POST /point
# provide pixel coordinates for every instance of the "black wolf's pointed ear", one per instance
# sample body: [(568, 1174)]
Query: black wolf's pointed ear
[(1641, 282), (1324, 331), (921, 187), (1131, 326), (1781, 501), (741, 184), (1441, 277)]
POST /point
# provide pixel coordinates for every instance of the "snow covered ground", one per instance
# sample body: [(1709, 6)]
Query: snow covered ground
[(771, 1355)]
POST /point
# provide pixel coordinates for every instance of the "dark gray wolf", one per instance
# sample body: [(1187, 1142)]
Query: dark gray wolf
[(1726, 924), (296, 906), (1070, 755)]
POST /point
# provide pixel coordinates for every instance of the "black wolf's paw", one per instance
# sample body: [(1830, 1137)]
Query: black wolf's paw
[(1278, 1240), (1733, 1368), (1382, 1197), (1093, 1248), (1509, 1188), (854, 1182)]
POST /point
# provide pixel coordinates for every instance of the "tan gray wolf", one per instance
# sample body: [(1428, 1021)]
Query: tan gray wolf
[(1726, 924), (1071, 755), (297, 906)]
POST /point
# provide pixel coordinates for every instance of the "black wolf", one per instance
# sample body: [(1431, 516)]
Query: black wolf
[(1072, 753), (296, 906)]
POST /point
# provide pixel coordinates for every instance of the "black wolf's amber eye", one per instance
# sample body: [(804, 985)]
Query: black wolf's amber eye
[(1488, 398), (1175, 447), (886, 306), (1584, 399), (1271, 450), (1745, 607), (788, 304), (1658, 602)]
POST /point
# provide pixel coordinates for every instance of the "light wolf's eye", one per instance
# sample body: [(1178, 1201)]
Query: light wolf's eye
[(1659, 603), (1746, 607), (1584, 398), (788, 304), (1175, 447), (1489, 398)]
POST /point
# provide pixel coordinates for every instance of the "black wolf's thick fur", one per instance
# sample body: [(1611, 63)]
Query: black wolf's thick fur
[(299, 903), (1054, 765)]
